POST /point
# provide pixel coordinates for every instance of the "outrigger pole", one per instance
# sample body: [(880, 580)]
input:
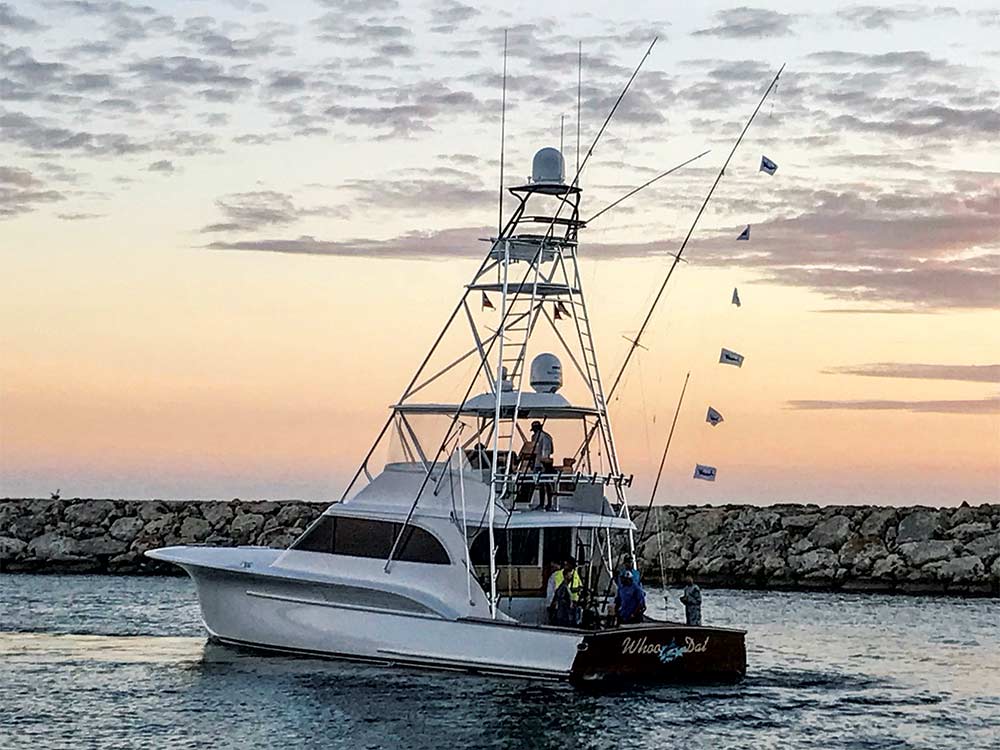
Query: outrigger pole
[(645, 185)]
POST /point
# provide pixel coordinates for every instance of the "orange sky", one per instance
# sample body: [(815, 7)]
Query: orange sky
[(152, 345)]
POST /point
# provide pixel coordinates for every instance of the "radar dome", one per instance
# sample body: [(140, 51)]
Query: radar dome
[(546, 372), (548, 167)]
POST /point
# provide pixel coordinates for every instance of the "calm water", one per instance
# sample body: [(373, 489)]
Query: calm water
[(122, 663)]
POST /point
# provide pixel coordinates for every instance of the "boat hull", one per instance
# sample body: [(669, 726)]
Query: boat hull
[(266, 612)]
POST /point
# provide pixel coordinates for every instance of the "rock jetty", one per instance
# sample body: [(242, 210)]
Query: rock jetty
[(850, 548)]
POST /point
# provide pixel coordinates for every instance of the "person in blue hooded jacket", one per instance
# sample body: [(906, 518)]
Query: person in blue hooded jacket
[(630, 600)]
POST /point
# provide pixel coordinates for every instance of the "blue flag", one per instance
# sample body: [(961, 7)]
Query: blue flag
[(736, 297), (745, 234), (713, 417), (704, 472), (766, 165), (729, 357)]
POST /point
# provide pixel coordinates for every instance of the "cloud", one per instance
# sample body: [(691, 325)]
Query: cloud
[(744, 22), (882, 18), (970, 373), (189, 71), (204, 31), (22, 192), (80, 216), (447, 243), (448, 15), (247, 212), (14, 21), (990, 405), (165, 166)]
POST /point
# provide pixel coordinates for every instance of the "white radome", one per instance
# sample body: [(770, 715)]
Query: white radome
[(548, 167), (546, 373)]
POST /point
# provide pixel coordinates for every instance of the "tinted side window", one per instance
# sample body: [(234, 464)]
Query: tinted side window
[(362, 537), (319, 538)]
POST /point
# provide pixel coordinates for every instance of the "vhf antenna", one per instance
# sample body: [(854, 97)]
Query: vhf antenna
[(503, 126)]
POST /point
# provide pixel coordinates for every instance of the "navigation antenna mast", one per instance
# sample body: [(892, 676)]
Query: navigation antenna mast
[(503, 131)]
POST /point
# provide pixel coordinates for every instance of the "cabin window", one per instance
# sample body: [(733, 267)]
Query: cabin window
[(523, 547), (365, 537)]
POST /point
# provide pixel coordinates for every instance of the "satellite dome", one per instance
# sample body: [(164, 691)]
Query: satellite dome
[(548, 167), (546, 371)]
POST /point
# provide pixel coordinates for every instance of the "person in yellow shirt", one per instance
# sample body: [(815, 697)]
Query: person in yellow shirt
[(563, 594)]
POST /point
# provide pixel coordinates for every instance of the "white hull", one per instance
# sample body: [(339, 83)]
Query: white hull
[(272, 613)]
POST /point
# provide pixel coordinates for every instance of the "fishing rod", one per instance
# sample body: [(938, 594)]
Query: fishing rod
[(663, 459), (646, 185)]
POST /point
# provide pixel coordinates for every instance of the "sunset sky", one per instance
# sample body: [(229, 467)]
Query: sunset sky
[(230, 230)]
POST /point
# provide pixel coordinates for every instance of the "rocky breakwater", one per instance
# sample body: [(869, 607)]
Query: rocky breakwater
[(853, 548), (110, 536)]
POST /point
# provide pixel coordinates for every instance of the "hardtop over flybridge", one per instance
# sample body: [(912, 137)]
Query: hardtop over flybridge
[(440, 557)]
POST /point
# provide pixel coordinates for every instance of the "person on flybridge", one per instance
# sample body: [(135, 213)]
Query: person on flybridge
[(542, 449)]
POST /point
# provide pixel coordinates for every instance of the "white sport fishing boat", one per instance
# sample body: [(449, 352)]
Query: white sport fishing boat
[(440, 559)]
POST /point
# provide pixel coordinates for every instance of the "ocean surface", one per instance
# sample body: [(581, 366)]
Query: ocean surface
[(121, 662)]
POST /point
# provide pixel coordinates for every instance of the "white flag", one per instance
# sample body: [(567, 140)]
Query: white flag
[(745, 234), (713, 417), (766, 165), (704, 472), (736, 297), (727, 357)]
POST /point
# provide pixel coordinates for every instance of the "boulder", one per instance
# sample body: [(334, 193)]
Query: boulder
[(877, 521), (890, 567), (54, 546), (801, 521), (771, 544), (861, 552), (263, 507), (921, 553), (127, 528), (986, 547), (831, 533), (217, 514), (245, 528), (101, 546), (803, 545), (89, 512), (960, 570), (160, 526), (27, 527), (11, 547), (971, 530), (706, 522), (918, 526), (814, 560), (153, 509), (195, 530)]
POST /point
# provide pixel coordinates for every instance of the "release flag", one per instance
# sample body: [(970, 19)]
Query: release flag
[(713, 417), (704, 472), (766, 165), (487, 305), (745, 234), (736, 297), (727, 357)]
